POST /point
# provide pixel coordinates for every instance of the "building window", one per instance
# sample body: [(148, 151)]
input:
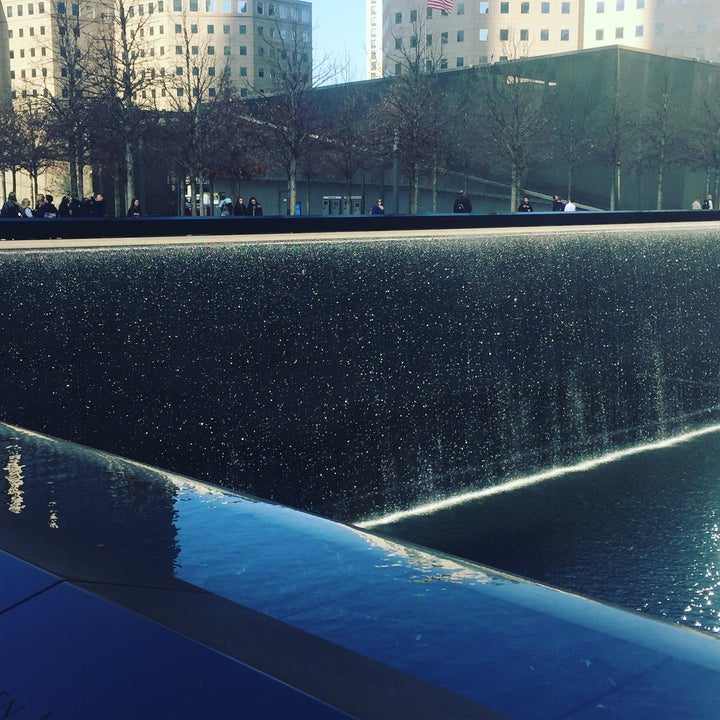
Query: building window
[(504, 35), (226, 29), (461, 36), (177, 5), (179, 70), (620, 4), (398, 69), (243, 29), (413, 16), (242, 6), (544, 35), (565, 8), (178, 50), (483, 35), (524, 35), (398, 43), (259, 8), (640, 4), (639, 31), (599, 35), (193, 29), (211, 49), (413, 41), (619, 33), (398, 18), (565, 35), (226, 50), (443, 63), (460, 62), (545, 8), (461, 11), (600, 7), (211, 29), (443, 38), (243, 71), (428, 39), (524, 8), (178, 28), (504, 8)]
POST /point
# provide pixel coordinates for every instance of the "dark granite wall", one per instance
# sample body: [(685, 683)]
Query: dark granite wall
[(354, 378)]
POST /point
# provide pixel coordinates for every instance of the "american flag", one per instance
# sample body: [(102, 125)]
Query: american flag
[(446, 5)]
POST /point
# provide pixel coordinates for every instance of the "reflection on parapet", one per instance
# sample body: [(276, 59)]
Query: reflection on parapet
[(15, 481), (432, 567)]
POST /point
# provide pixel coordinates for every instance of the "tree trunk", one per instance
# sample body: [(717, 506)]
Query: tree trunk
[(292, 185), (129, 174), (514, 189)]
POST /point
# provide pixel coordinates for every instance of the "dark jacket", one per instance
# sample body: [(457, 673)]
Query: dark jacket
[(462, 204), (48, 210), (239, 209), (525, 207), (64, 207), (254, 208), (10, 209)]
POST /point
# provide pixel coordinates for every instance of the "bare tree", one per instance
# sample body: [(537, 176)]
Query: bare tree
[(190, 93), (122, 77), (573, 136), (38, 151), (418, 110), (660, 133), (517, 121), (703, 144), (289, 114), (348, 148)]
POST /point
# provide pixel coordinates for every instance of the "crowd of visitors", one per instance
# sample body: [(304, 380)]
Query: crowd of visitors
[(44, 207)]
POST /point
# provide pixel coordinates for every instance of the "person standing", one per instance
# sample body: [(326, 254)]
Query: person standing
[(254, 207), (135, 209), (226, 207), (525, 205), (64, 207), (48, 209), (558, 204), (569, 206), (239, 209), (11, 209), (98, 206), (378, 208), (697, 205), (462, 203), (25, 210), (708, 202)]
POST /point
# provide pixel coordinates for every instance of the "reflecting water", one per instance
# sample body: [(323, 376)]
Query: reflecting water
[(641, 532), (359, 378)]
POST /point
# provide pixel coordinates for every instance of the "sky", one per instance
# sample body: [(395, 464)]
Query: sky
[(339, 34)]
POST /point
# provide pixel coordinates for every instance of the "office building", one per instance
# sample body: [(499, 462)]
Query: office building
[(236, 39), (478, 32)]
